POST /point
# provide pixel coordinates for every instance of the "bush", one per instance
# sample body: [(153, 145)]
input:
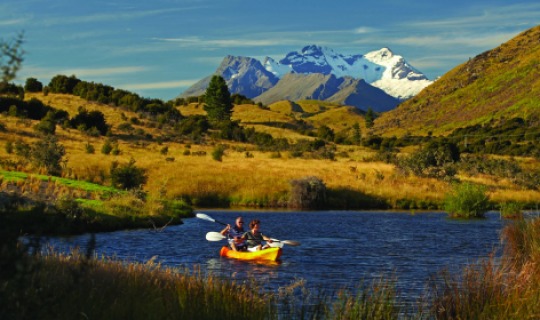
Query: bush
[(47, 153), (217, 153), (127, 176), (511, 210), (467, 200), (307, 193)]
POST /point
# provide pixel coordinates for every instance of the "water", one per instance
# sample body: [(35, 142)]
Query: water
[(338, 248)]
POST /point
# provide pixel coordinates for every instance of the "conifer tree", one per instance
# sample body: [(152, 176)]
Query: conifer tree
[(217, 99)]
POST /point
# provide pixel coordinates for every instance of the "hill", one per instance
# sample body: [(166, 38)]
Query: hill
[(497, 85)]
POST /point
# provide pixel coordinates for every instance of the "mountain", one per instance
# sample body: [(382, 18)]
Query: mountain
[(497, 85), (318, 86), (381, 69), (243, 75)]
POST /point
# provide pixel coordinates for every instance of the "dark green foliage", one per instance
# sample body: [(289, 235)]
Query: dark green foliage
[(508, 169), (22, 149), (11, 90), (127, 176), (63, 84), (33, 109), (217, 99), (107, 147), (369, 117), (48, 153), (194, 125), (467, 200), (9, 147), (47, 125), (33, 85), (515, 136), (357, 134), (436, 159), (218, 152), (237, 98), (325, 133), (90, 119), (89, 148), (307, 193)]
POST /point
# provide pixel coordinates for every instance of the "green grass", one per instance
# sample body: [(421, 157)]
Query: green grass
[(13, 176)]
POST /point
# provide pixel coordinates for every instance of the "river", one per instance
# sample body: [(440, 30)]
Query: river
[(338, 248)]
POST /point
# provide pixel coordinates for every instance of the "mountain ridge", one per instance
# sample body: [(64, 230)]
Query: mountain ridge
[(382, 69)]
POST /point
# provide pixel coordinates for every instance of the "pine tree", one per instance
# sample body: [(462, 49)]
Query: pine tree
[(217, 99)]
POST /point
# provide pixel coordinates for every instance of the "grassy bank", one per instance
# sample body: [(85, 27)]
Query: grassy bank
[(72, 286)]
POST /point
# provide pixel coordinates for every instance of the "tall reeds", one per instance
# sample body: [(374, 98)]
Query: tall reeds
[(497, 288)]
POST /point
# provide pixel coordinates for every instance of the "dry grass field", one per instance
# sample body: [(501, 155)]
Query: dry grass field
[(258, 180)]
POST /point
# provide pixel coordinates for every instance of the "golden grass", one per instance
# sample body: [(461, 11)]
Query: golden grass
[(242, 179)]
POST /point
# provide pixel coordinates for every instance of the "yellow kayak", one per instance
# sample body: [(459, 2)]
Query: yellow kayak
[(269, 254)]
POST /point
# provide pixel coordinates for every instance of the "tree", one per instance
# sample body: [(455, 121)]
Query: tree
[(357, 134), (370, 117), (217, 99), (33, 85), (48, 153), (11, 58), (128, 176)]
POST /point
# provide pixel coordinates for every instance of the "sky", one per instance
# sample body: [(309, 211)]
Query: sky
[(159, 48)]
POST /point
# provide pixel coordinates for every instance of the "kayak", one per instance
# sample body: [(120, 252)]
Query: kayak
[(269, 254)]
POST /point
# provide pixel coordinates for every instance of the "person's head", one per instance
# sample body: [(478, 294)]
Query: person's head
[(240, 222), (254, 223)]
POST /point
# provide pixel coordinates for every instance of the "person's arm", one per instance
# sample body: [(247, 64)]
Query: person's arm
[(226, 230)]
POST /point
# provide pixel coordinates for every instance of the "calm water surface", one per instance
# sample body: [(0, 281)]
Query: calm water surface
[(339, 248)]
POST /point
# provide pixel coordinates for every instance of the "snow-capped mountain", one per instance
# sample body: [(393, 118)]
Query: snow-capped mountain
[(382, 68), (352, 77)]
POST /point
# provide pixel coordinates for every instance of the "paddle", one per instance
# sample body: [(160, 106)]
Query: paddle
[(216, 236), (208, 218)]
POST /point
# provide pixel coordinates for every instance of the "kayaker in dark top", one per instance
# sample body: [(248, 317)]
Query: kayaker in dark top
[(235, 233), (254, 237)]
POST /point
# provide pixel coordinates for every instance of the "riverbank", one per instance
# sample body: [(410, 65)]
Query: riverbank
[(67, 286)]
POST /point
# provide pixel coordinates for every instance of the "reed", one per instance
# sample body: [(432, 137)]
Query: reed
[(73, 286), (505, 288)]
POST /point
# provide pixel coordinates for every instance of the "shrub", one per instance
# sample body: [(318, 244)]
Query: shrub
[(47, 153), (217, 153), (107, 147), (89, 148), (467, 200), (307, 193), (511, 210), (127, 176)]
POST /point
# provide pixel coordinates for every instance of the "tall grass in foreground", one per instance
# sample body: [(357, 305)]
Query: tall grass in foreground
[(73, 287), (493, 289)]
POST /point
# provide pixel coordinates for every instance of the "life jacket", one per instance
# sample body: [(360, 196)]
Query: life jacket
[(253, 240)]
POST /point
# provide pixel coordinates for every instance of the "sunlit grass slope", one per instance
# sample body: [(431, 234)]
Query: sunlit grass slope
[(498, 84)]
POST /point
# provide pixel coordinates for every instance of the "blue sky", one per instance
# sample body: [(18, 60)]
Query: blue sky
[(159, 48)]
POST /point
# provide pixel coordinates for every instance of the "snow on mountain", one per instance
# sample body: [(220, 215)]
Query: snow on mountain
[(381, 68)]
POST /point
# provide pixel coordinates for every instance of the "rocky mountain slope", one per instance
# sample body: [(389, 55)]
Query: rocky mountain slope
[(379, 79)]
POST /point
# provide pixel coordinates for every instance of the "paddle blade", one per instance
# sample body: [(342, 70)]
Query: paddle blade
[(291, 243), (275, 244), (204, 217), (214, 236)]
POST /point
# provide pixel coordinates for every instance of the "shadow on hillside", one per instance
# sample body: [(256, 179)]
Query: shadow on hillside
[(346, 199)]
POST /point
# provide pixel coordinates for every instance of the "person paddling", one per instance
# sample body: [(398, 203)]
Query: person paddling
[(235, 233), (254, 237)]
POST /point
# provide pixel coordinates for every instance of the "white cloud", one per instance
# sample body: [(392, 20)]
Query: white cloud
[(159, 85), (92, 72)]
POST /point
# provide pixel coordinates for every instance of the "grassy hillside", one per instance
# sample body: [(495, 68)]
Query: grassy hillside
[(498, 84)]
